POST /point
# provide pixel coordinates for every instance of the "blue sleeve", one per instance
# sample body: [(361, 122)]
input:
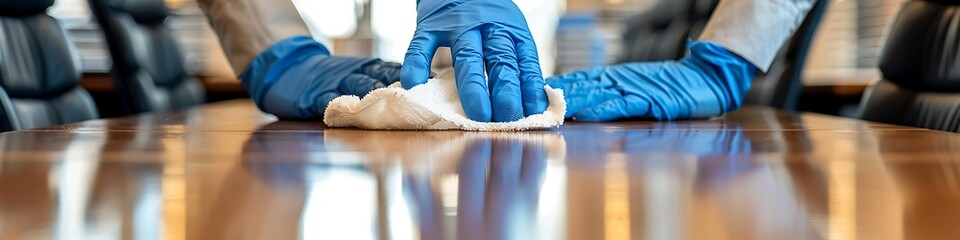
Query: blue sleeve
[(282, 60), (733, 73)]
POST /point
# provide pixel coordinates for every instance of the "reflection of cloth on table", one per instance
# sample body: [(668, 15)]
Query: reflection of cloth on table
[(431, 106)]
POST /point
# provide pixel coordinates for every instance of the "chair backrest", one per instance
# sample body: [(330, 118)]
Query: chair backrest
[(782, 84), (920, 65), (661, 32), (148, 65), (39, 72)]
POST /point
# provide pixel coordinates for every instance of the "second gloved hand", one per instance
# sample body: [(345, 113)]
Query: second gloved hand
[(709, 82), (487, 38), (296, 78)]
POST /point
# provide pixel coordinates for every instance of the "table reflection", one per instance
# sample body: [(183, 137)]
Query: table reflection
[(663, 183), (494, 191), (930, 197), (441, 185), (25, 208), (717, 180)]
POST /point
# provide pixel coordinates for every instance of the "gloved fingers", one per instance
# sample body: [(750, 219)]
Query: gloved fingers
[(559, 85), (468, 66), (359, 85), (593, 74), (504, 82), (596, 97), (578, 88), (618, 108), (385, 72), (531, 77), (416, 64), (571, 82)]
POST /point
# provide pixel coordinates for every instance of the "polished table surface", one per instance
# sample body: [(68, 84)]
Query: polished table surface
[(227, 171)]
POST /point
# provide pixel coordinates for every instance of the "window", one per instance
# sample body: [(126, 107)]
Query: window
[(197, 40)]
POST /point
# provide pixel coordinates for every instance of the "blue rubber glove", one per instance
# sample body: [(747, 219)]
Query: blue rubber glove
[(296, 78), (489, 35), (707, 83)]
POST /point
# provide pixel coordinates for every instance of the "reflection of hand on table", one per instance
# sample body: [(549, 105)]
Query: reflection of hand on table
[(442, 149), (499, 183), (437, 162)]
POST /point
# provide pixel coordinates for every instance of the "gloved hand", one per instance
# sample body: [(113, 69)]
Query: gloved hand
[(491, 33), (707, 83), (296, 78)]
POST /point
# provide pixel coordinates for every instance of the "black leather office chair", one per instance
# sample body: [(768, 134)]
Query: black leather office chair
[(782, 84), (38, 70), (148, 65), (920, 62), (661, 32)]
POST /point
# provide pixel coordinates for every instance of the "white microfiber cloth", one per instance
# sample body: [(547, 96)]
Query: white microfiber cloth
[(434, 105)]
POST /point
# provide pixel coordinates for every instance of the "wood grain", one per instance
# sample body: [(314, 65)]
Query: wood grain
[(228, 171)]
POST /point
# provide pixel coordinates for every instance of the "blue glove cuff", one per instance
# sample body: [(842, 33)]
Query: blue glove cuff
[(267, 68), (733, 73)]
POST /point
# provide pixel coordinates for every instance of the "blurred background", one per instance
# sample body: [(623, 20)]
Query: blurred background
[(571, 34)]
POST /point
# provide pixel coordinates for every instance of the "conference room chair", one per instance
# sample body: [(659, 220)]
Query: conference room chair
[(661, 32), (782, 85), (39, 71), (148, 64), (920, 66)]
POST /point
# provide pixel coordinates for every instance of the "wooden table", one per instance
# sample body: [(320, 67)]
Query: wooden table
[(227, 171)]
